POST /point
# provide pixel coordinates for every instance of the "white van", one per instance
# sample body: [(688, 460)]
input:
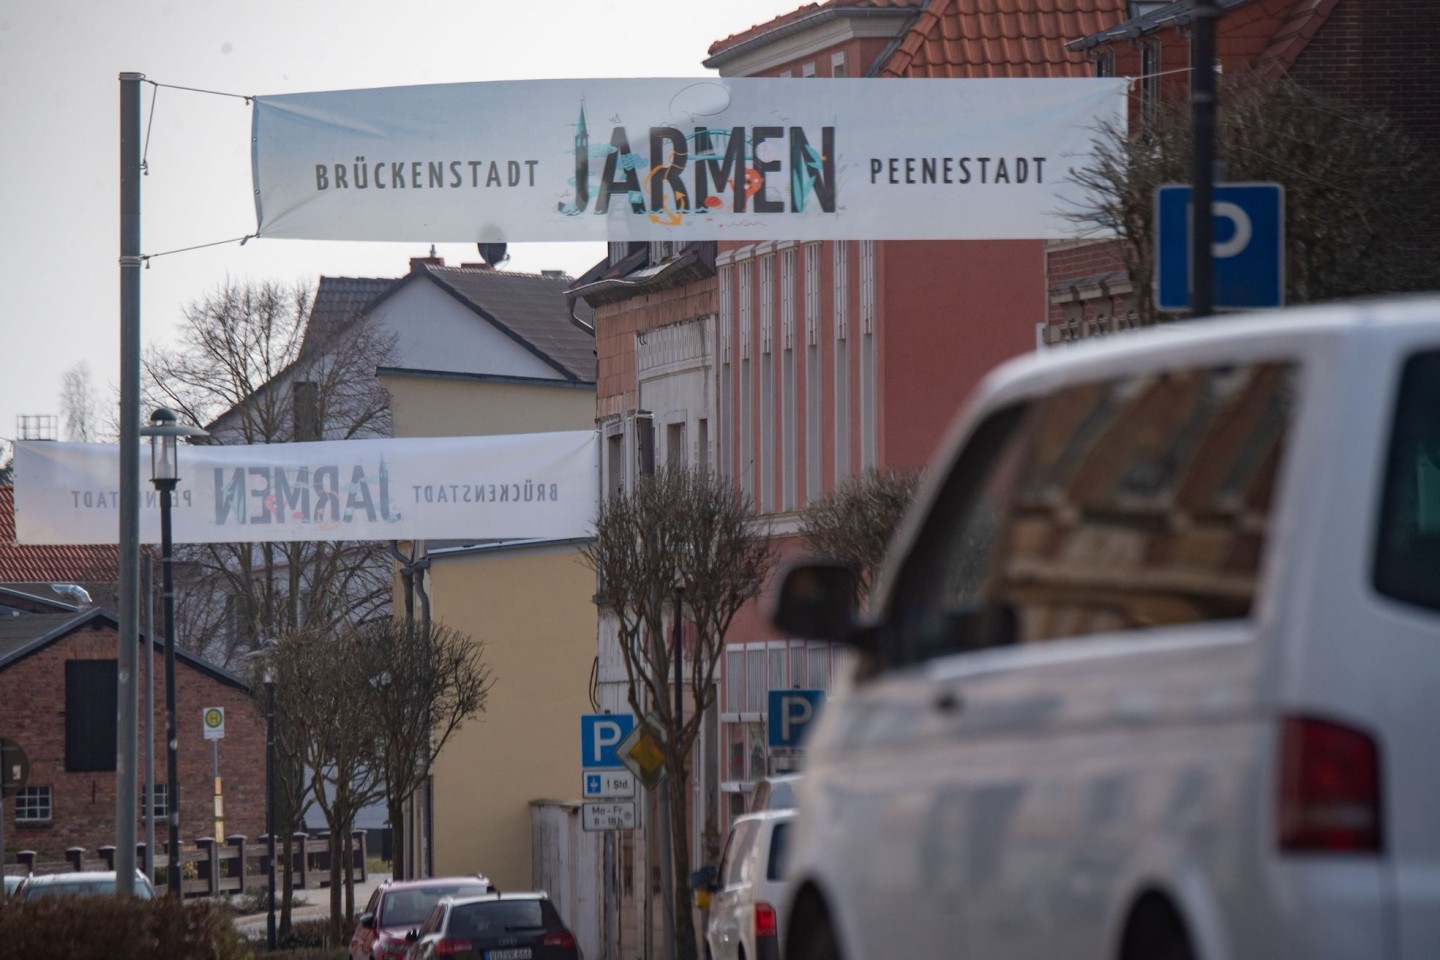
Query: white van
[(1153, 670), (747, 909)]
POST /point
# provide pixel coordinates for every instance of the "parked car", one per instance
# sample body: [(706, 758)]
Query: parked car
[(11, 881), (398, 907), (496, 926), (1150, 672), (747, 905), (39, 886)]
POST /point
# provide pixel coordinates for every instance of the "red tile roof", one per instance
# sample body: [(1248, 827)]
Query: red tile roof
[(27, 563), (1001, 38), (805, 12), (1305, 20), (969, 38)]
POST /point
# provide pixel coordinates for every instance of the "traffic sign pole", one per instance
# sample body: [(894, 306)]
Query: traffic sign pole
[(1203, 105)]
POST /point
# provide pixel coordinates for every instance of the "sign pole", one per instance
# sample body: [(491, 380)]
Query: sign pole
[(1202, 101)]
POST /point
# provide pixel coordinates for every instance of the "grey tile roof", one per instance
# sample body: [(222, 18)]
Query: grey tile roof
[(530, 307), (17, 632), (21, 635), (337, 301)]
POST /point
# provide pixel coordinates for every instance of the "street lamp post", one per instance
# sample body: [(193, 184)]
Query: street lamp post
[(164, 433), (270, 805)]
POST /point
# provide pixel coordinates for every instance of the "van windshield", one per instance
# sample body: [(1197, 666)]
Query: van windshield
[(1407, 556)]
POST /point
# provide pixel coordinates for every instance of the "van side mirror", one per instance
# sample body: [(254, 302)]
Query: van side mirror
[(367, 920), (703, 879), (817, 601)]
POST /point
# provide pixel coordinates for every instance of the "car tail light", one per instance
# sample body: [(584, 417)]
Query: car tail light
[(765, 920), (451, 946), (1329, 788), (559, 938)]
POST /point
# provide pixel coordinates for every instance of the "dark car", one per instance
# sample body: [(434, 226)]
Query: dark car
[(397, 907), (88, 883), (508, 926)]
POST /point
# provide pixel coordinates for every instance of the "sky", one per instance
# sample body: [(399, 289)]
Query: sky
[(60, 62)]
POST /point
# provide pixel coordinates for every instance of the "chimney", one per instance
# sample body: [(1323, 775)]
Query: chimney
[(477, 266), (434, 261)]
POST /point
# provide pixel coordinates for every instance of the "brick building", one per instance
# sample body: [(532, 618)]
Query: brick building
[(58, 701), (1378, 55)]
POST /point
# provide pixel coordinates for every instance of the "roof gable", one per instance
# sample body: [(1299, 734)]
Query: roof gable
[(531, 309), (21, 636)]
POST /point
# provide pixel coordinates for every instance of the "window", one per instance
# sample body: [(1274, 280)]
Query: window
[(737, 848), (807, 70), (868, 402), (1121, 505), (615, 463), (837, 64), (779, 846), (90, 708), (1407, 553), (1149, 78), (675, 444), (812, 371), (162, 800), (33, 805)]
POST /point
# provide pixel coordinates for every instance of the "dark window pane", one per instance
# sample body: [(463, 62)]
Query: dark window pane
[(1407, 556)]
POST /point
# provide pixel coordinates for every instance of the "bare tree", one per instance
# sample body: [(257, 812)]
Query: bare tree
[(854, 522), (693, 533), (430, 680), (78, 404), (246, 369), (1356, 187), (321, 681), (290, 788)]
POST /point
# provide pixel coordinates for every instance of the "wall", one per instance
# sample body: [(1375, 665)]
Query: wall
[(432, 406), (531, 608), (32, 712)]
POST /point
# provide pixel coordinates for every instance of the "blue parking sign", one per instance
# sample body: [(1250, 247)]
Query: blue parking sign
[(791, 712), (1248, 246), (600, 734)]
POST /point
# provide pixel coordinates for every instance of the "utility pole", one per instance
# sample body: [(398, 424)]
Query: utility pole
[(126, 726), (1203, 107)]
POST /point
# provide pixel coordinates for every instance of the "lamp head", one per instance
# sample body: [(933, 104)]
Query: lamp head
[(164, 432)]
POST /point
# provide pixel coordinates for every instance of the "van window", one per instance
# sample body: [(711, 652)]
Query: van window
[(1122, 504), (1407, 557), (737, 849), (779, 848)]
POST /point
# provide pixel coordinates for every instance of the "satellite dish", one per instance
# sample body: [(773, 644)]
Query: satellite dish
[(493, 253)]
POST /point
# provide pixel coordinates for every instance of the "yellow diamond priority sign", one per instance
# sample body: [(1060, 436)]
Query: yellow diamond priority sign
[(642, 755)]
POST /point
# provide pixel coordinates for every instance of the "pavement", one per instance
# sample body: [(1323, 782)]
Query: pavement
[(316, 906)]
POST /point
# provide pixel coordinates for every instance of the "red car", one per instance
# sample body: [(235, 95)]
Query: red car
[(399, 906)]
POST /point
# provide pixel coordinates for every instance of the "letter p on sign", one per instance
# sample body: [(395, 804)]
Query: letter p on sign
[(600, 734), (791, 712)]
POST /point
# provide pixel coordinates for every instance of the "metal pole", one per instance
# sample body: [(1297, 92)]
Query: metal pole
[(150, 717), (172, 771), (1202, 102), (129, 586), (270, 808)]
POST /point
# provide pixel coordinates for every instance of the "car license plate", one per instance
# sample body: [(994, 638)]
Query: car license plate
[(513, 953)]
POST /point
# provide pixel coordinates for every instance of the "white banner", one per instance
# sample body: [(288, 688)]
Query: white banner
[(679, 159), (520, 486)]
